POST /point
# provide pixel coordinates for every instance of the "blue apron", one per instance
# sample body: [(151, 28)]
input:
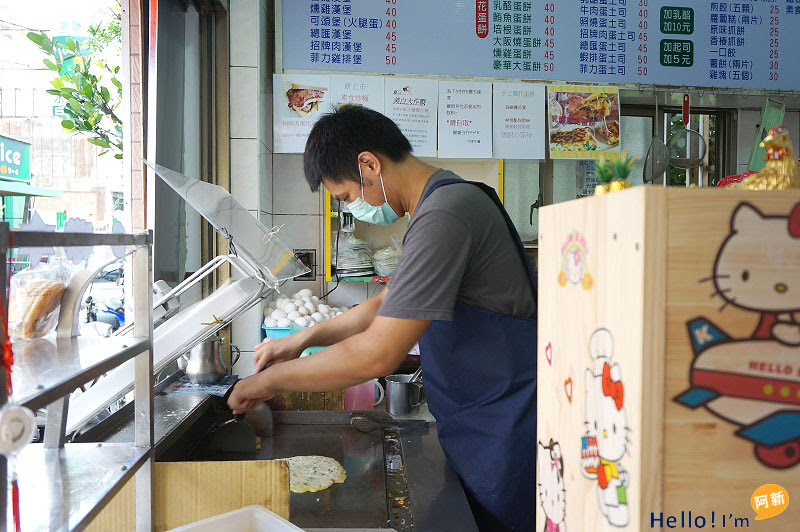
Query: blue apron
[(480, 380)]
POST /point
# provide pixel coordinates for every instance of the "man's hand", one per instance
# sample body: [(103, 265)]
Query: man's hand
[(248, 393), (271, 352)]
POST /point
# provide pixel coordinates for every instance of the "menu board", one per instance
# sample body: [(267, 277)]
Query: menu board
[(736, 44), (465, 120)]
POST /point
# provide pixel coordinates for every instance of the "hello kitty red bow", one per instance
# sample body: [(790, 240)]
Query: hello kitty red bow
[(612, 388)]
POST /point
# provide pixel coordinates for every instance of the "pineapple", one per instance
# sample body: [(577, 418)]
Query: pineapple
[(613, 174)]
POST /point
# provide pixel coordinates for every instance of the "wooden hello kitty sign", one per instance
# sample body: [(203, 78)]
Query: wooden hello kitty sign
[(753, 381), (673, 384)]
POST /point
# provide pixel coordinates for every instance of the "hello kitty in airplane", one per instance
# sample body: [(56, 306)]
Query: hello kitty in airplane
[(552, 494), (606, 439), (754, 382)]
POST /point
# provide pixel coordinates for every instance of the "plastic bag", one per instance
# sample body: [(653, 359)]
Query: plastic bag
[(34, 303), (384, 260), (350, 255)]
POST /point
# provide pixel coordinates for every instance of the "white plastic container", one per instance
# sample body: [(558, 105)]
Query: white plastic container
[(253, 518)]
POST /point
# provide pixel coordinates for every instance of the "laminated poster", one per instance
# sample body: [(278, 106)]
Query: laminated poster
[(412, 104), (366, 91), (584, 122), (298, 102), (465, 120), (518, 121)]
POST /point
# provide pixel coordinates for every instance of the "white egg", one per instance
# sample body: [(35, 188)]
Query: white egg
[(338, 314), (270, 323), (293, 315), (296, 296), (314, 299), (309, 306), (302, 322), (277, 314), (281, 302), (324, 309), (268, 312), (289, 307), (312, 323), (284, 322), (303, 311), (317, 317), (305, 292)]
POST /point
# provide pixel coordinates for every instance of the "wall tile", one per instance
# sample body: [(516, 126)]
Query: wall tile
[(348, 294), (290, 189), (244, 32), (263, 32), (245, 333), (299, 231), (265, 179), (290, 287), (244, 102), (264, 113), (244, 172)]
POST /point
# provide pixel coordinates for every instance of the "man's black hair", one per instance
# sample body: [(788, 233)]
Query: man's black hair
[(338, 137)]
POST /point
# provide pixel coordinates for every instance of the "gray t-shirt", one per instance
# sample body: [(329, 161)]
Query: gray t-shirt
[(458, 247)]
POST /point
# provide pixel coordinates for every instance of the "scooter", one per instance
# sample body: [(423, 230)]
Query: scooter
[(111, 312)]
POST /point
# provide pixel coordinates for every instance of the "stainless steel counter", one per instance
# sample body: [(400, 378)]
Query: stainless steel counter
[(434, 499)]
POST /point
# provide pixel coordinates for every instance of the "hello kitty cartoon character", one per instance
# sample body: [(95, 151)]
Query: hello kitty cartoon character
[(552, 494), (768, 282), (751, 381), (606, 439), (574, 267)]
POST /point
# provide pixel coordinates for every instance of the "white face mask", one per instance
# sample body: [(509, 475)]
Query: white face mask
[(380, 214)]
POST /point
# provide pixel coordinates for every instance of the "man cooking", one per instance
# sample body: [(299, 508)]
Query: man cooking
[(463, 288)]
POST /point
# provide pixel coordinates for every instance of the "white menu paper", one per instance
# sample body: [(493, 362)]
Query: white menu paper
[(412, 103), (518, 121), (366, 91), (465, 120)]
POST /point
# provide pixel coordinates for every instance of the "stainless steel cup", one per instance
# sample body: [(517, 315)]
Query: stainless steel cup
[(402, 397)]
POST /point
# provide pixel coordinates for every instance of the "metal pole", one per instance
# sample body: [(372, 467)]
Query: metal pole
[(143, 382)]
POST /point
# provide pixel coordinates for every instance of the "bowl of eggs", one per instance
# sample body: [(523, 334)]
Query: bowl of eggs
[(287, 315)]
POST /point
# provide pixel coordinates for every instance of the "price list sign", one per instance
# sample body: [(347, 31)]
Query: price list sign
[(727, 44)]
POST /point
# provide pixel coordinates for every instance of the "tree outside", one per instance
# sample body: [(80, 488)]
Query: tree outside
[(60, 93)]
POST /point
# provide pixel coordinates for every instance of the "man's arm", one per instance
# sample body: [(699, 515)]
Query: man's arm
[(375, 352), (354, 321)]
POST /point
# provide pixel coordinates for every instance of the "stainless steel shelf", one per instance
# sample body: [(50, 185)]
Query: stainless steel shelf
[(64, 489), (46, 369), (22, 239)]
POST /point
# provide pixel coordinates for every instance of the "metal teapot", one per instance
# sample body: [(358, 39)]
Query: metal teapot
[(205, 365)]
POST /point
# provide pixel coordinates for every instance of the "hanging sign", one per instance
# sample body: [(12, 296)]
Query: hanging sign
[(15, 160)]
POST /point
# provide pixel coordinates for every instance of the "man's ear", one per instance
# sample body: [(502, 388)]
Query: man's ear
[(370, 165)]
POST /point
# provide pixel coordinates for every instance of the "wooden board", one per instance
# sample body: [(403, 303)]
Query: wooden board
[(285, 400), (600, 263), (706, 465), (186, 492)]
